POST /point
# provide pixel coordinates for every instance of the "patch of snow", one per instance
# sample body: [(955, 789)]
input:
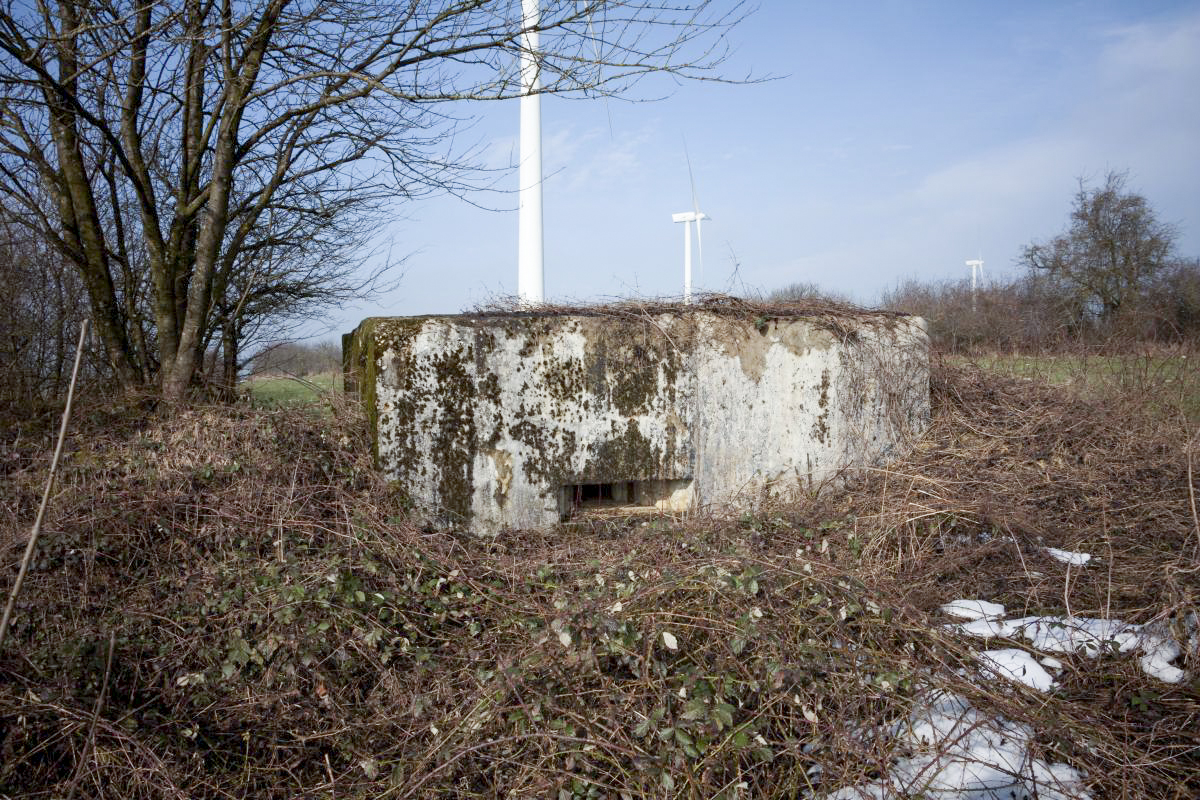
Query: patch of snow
[(1087, 636), (1067, 557), (973, 609), (1017, 665), (960, 754), (1159, 652), (871, 791), (1051, 663), (984, 628), (1084, 635)]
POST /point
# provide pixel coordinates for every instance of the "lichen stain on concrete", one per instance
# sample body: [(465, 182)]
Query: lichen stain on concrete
[(484, 419), (625, 455), (820, 429), (502, 464), (752, 344), (451, 390), (630, 365)]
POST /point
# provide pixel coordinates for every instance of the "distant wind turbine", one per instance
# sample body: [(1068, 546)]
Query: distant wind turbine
[(530, 279), (976, 265), (687, 218)]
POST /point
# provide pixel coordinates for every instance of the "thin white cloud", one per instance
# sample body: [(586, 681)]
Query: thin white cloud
[(1152, 50), (592, 158)]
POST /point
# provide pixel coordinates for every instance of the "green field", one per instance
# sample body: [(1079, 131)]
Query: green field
[(287, 390), (1168, 384)]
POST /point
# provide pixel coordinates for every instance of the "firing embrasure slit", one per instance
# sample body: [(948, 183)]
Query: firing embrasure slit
[(624, 497)]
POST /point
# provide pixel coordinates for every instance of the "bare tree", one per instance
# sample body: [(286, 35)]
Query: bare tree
[(185, 143), (1111, 252), (806, 291), (42, 303)]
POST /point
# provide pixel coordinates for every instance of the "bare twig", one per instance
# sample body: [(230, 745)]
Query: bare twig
[(91, 735), (1192, 489)]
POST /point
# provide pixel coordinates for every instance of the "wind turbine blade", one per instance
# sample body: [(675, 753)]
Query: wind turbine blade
[(691, 180), (696, 211)]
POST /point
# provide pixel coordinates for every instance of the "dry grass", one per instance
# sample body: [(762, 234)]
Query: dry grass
[(283, 631), (712, 302), (843, 319)]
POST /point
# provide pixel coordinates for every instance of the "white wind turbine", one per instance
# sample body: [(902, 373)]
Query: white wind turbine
[(976, 265), (530, 279), (687, 218)]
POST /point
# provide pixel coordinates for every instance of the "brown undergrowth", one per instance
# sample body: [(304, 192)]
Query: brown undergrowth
[(281, 629)]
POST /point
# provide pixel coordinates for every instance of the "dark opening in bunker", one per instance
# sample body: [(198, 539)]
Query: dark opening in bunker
[(598, 495), (623, 497)]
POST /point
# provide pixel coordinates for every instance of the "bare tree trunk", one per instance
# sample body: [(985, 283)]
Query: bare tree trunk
[(78, 209), (160, 258), (229, 355), (240, 79)]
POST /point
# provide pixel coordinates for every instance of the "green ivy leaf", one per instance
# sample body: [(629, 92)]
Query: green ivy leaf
[(722, 714), (695, 709)]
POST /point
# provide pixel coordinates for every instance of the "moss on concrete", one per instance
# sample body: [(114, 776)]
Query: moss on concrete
[(630, 363), (820, 430), (374, 337), (444, 385), (626, 455), (454, 440)]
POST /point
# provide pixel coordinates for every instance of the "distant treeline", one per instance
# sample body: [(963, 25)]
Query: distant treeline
[(298, 358), (1033, 314), (1111, 279)]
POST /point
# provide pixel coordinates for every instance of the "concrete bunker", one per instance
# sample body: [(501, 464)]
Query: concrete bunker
[(497, 421)]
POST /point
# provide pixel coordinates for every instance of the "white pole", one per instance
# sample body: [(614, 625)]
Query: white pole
[(687, 262), (530, 280), (976, 266)]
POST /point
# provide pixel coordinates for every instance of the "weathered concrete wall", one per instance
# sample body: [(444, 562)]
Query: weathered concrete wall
[(509, 421)]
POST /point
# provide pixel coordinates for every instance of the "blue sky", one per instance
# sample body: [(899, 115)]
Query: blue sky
[(898, 140)]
